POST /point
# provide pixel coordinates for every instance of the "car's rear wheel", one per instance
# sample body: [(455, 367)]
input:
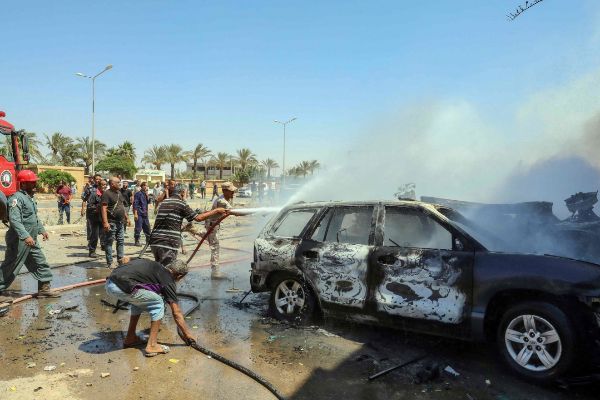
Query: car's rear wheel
[(291, 299), (537, 341)]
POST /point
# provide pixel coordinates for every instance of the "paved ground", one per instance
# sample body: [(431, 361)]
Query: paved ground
[(330, 361)]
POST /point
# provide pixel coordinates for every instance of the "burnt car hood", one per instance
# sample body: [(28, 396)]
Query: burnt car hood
[(556, 274)]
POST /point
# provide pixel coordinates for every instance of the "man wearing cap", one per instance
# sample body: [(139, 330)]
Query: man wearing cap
[(22, 246), (165, 238), (223, 201)]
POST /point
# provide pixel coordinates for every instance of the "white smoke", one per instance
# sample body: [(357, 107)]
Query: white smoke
[(449, 150)]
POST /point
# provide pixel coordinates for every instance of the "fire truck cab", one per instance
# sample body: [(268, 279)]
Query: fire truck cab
[(11, 162)]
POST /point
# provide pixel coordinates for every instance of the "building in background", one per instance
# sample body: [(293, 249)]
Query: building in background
[(150, 175), (77, 172)]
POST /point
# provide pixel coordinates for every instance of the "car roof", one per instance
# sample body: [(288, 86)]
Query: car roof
[(408, 203)]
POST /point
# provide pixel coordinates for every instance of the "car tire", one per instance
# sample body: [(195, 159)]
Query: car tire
[(291, 299), (537, 341)]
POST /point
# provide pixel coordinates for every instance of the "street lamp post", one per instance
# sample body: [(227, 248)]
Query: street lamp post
[(93, 78), (283, 167)]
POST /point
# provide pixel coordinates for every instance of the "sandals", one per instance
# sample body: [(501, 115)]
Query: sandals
[(165, 348)]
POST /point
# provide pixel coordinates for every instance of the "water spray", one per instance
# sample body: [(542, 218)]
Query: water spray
[(256, 210)]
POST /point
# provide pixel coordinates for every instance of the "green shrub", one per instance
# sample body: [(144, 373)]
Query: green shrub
[(51, 178)]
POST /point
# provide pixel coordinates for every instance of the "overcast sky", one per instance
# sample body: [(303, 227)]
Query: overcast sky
[(220, 72)]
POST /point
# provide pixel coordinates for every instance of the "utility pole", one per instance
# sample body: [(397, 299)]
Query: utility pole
[(283, 167), (93, 78)]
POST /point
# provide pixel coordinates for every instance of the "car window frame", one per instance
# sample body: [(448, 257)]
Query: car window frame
[(282, 218), (455, 233), (310, 232)]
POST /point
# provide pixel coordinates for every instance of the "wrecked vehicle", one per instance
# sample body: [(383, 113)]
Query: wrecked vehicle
[(532, 227), (405, 264)]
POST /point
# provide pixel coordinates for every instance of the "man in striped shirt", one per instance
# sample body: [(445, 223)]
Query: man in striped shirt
[(165, 239)]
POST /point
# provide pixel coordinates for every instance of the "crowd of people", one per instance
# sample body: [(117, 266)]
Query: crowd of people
[(144, 284)]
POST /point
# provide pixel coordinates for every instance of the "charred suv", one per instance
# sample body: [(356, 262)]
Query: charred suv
[(413, 265)]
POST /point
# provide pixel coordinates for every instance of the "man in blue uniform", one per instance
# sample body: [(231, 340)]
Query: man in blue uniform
[(22, 247), (140, 213)]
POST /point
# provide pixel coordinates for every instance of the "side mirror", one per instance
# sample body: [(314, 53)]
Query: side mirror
[(458, 245), (25, 145)]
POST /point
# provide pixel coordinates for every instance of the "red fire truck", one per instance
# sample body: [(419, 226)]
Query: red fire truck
[(10, 164)]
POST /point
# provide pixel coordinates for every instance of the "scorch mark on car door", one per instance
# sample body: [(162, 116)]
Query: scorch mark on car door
[(423, 285)]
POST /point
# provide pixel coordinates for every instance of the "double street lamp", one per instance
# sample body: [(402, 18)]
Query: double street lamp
[(283, 167), (93, 78)]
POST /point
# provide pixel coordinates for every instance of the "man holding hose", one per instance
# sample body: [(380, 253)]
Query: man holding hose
[(165, 238), (224, 202)]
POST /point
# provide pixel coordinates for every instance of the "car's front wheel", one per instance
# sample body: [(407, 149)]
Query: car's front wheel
[(537, 341), (291, 299)]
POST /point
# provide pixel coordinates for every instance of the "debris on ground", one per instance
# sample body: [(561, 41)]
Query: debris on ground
[(173, 360), (43, 327), (104, 374), (31, 365), (271, 339), (429, 372), (49, 367), (451, 371), (388, 370), (326, 333)]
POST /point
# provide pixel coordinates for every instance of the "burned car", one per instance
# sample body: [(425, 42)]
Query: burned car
[(406, 264)]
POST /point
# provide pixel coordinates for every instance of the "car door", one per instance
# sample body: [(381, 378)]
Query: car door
[(334, 255), (422, 269), (276, 249)]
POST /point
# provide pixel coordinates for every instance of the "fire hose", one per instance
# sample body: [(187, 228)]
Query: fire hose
[(193, 344), (190, 342)]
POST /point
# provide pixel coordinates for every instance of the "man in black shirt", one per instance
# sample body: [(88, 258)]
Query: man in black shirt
[(113, 221), (147, 285), (92, 187), (94, 217), (127, 196), (165, 238)]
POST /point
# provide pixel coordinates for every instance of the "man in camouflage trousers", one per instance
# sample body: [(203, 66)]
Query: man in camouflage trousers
[(222, 201), (22, 246)]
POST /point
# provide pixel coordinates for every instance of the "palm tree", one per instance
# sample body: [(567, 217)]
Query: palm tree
[(60, 146), (127, 150), (294, 171), (221, 160), (246, 157), (200, 152), (314, 165), (174, 155), (303, 168), (269, 164), (156, 155), (84, 151)]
